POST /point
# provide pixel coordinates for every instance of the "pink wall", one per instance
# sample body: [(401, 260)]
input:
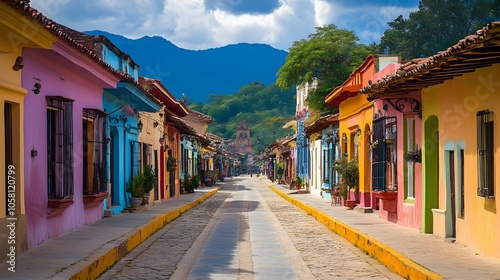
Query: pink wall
[(408, 214), (59, 77)]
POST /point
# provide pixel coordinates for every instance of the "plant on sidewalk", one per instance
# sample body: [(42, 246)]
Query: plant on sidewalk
[(349, 172), (136, 188), (149, 179), (299, 183)]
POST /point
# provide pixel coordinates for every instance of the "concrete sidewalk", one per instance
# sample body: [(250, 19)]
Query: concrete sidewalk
[(88, 251), (405, 251)]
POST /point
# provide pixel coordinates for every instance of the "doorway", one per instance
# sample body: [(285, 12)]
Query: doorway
[(451, 177)]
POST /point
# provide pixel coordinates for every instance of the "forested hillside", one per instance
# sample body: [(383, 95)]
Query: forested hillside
[(265, 109), (197, 74)]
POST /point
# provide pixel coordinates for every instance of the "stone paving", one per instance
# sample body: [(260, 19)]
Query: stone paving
[(325, 255), (159, 255)]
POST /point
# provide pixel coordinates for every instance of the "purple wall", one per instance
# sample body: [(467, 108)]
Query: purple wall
[(61, 72)]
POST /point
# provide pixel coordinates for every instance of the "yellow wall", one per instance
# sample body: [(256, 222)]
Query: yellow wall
[(357, 111), (16, 33), (456, 103)]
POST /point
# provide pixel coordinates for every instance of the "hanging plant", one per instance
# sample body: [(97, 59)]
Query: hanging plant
[(414, 156), (171, 164), (374, 144)]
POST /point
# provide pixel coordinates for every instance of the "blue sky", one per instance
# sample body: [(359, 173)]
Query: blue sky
[(203, 24)]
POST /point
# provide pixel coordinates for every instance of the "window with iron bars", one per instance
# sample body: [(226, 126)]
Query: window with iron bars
[(59, 147), (485, 153), (383, 154), (94, 152)]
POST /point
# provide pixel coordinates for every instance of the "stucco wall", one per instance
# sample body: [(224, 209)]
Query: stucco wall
[(456, 103), (57, 79), (357, 111), (315, 181)]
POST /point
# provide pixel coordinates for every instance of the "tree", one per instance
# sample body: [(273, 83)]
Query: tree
[(437, 25), (330, 55)]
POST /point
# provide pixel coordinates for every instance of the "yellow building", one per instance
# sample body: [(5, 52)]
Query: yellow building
[(16, 33), (355, 119), (460, 90)]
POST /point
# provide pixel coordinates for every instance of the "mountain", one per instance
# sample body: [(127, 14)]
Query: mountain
[(199, 73)]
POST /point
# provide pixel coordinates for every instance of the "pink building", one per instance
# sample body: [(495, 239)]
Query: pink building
[(64, 129), (396, 135)]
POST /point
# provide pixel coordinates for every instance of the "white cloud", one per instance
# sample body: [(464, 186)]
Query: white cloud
[(188, 24)]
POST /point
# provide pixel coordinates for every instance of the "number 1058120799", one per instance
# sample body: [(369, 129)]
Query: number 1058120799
[(11, 190)]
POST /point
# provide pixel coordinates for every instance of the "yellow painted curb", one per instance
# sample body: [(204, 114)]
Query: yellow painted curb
[(394, 260), (99, 266)]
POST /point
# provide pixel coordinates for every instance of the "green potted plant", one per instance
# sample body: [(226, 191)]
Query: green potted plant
[(136, 190), (149, 182), (188, 184), (195, 182), (349, 172), (413, 156), (298, 182)]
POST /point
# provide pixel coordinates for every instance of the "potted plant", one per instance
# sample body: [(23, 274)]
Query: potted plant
[(298, 182), (149, 182), (136, 190), (187, 184), (413, 156), (349, 172), (195, 182), (281, 171)]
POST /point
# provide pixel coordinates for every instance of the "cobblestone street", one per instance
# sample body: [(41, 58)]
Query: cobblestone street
[(312, 249)]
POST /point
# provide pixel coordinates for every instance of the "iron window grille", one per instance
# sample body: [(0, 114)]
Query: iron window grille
[(485, 153), (94, 152), (59, 147), (384, 135)]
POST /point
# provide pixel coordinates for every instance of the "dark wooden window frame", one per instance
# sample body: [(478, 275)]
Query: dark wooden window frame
[(485, 154)]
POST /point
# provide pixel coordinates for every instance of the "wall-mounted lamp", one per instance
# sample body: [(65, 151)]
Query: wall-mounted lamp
[(162, 140), (140, 125), (37, 88), (18, 65), (344, 138), (358, 131), (155, 124), (34, 152)]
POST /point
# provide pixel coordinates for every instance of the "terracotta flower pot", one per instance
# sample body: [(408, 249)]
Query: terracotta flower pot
[(350, 204)]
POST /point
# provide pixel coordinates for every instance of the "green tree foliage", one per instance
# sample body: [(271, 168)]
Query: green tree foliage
[(437, 25), (330, 55), (264, 109)]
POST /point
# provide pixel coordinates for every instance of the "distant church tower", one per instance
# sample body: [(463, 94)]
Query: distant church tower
[(243, 143)]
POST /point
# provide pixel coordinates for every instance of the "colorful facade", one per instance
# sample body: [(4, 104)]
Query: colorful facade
[(324, 151), (460, 142), (14, 38), (65, 146), (169, 149), (302, 152), (396, 134), (355, 120)]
